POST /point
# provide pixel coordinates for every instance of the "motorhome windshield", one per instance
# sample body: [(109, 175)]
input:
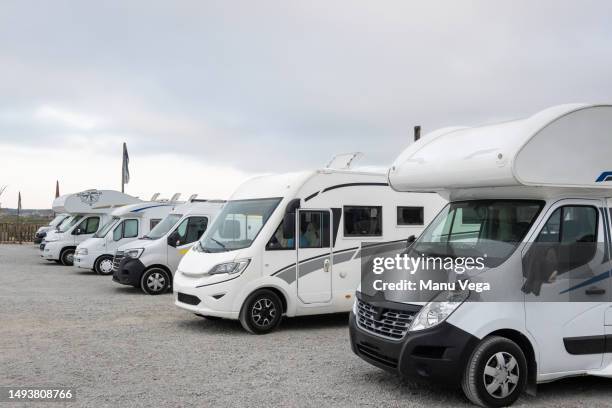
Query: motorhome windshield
[(71, 222), (491, 229), (107, 227), (238, 224), (57, 220), (164, 226)]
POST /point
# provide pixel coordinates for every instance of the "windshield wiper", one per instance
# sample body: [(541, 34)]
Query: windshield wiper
[(221, 244)]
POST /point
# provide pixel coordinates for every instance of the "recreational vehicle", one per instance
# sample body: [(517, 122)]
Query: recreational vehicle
[(53, 225), (88, 211), (288, 244), (149, 262), (127, 224), (533, 197)]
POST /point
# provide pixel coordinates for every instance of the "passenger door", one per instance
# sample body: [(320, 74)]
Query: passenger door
[(566, 291), (124, 232), (314, 256), (86, 229), (182, 238)]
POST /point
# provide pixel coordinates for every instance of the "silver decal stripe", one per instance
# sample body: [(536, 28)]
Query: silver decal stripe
[(311, 265)]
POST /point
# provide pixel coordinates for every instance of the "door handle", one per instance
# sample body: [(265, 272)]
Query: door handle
[(326, 265), (595, 291)]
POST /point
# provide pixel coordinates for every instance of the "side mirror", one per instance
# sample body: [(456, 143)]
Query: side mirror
[(410, 240), (289, 226), (174, 239), (78, 231)]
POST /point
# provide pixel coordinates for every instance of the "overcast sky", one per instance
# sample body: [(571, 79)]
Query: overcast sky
[(207, 93)]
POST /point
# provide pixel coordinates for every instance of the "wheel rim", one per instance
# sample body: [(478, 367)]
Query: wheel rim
[(156, 281), (501, 375), (106, 266), (70, 257), (263, 312)]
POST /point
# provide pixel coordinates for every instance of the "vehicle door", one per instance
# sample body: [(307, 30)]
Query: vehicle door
[(86, 228), (188, 231)]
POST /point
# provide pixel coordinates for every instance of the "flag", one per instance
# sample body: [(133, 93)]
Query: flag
[(19, 204), (125, 171), (57, 188)]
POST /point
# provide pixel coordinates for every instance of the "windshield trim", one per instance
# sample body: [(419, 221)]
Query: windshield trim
[(218, 217)]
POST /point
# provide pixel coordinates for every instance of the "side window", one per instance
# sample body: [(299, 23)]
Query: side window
[(361, 221), (130, 228), (567, 241), (314, 229), (153, 223), (279, 241), (410, 216), (92, 225), (195, 228), (118, 231)]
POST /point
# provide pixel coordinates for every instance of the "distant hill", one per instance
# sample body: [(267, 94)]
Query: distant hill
[(27, 215)]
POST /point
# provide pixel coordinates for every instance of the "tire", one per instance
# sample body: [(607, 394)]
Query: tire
[(55, 260), (104, 265), (497, 363), (261, 312), (155, 281), (67, 257)]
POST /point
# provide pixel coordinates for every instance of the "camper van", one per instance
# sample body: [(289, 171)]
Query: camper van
[(127, 224), (288, 244), (53, 225), (149, 262), (88, 210), (534, 198)]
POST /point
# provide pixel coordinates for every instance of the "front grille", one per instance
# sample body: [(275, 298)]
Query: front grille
[(189, 299), (393, 324), (42, 246), (117, 260)]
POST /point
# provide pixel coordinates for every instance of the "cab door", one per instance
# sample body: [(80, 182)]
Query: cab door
[(183, 237), (566, 287), (314, 255)]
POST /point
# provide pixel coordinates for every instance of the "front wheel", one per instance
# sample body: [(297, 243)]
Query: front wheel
[(67, 257), (496, 373), (155, 281), (261, 312), (104, 265)]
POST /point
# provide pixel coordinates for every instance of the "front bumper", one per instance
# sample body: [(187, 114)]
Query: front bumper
[(50, 250), (86, 261), (212, 300), (129, 272), (438, 354)]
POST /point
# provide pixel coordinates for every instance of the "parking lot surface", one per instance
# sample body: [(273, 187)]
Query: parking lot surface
[(119, 347)]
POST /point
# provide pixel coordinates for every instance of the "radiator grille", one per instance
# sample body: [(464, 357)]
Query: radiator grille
[(393, 324), (117, 260)]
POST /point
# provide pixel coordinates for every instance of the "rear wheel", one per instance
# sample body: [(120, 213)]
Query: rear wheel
[(496, 373), (155, 281), (104, 265), (261, 312), (67, 257)]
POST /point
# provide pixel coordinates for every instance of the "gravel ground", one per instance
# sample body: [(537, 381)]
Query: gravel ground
[(119, 347)]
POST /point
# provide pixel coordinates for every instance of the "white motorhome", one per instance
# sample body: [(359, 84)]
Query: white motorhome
[(149, 262), (127, 224), (288, 244), (535, 196), (53, 225), (89, 210)]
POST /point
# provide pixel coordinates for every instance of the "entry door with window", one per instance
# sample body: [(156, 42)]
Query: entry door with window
[(182, 238), (566, 296), (314, 256)]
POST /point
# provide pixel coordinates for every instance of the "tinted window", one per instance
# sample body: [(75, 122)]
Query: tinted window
[(117, 232), (89, 225), (278, 240), (410, 216), (191, 229), (361, 221), (130, 228), (153, 223), (314, 229)]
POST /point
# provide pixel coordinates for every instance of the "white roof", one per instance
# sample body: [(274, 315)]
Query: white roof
[(137, 210), (92, 202), (198, 207), (566, 146)]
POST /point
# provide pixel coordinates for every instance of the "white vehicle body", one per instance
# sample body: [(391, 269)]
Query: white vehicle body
[(561, 160), (89, 210), (157, 254), (53, 224), (317, 277), (126, 224)]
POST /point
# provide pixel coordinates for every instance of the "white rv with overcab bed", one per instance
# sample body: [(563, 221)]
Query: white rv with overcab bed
[(533, 198)]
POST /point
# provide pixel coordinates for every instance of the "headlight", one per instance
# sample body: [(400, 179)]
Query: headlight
[(134, 253), (439, 309), (82, 251), (230, 267)]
